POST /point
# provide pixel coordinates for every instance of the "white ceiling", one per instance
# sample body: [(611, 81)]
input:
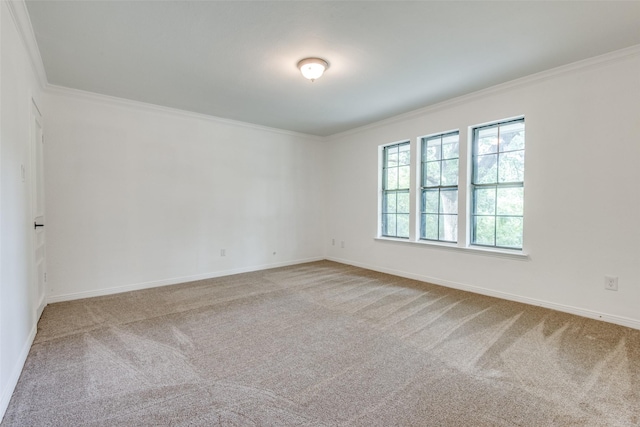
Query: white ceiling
[(237, 59)]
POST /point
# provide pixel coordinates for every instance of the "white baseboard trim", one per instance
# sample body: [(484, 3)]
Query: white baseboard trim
[(172, 281), (14, 375), (618, 320), (41, 306)]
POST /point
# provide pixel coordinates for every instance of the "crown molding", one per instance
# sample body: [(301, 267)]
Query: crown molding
[(154, 108), (596, 61), (20, 16)]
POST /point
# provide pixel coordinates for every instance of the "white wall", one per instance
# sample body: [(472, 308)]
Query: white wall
[(139, 196), (581, 202), (18, 299)]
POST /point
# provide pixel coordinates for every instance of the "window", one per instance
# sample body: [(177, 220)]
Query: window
[(497, 185), (492, 187), (439, 187), (396, 160)]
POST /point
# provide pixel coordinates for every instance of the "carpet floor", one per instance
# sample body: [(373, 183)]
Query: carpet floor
[(323, 344)]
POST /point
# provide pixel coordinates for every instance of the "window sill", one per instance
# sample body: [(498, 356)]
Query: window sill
[(476, 250)]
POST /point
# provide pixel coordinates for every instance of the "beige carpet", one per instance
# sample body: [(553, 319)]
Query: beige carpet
[(323, 344)]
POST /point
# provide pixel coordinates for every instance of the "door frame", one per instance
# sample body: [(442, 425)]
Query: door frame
[(36, 178)]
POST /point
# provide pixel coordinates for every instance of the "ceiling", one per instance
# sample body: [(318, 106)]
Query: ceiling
[(237, 59)]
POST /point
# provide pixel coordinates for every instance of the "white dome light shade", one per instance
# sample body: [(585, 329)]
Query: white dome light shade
[(312, 68)]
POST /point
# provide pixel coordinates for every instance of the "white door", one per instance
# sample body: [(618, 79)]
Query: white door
[(37, 191)]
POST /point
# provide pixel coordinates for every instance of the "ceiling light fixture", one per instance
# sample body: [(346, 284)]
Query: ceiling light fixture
[(312, 68)]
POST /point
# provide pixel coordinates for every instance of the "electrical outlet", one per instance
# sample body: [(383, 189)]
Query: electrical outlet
[(333, 242), (342, 244), (611, 283), (223, 252)]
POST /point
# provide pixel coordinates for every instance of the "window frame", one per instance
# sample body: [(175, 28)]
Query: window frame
[(424, 189), (515, 204), (385, 192), (474, 186)]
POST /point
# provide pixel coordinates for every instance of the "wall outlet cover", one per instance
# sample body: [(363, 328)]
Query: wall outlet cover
[(611, 283)]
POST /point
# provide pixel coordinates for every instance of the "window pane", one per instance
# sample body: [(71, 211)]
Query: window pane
[(433, 174), (509, 232), (510, 201), (431, 227), (486, 141), (449, 228), (450, 147), (431, 201), (404, 157), (403, 203), (404, 177), (392, 179), (389, 203), (433, 149), (484, 230), (423, 175), (450, 172), (485, 169), (511, 167), (392, 156), (389, 224), (484, 201), (449, 201), (515, 143), (512, 136), (403, 225), (426, 155)]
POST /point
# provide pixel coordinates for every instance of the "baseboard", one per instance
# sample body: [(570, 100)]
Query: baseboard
[(172, 281), (618, 320), (41, 306), (14, 375)]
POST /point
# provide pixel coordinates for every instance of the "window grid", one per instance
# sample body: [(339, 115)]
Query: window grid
[(439, 189), (498, 195), (395, 190)]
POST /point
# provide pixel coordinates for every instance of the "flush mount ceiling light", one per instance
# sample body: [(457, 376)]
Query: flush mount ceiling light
[(312, 68)]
